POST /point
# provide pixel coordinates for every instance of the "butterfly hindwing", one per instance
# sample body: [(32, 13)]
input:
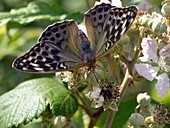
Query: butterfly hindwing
[(58, 49), (94, 20)]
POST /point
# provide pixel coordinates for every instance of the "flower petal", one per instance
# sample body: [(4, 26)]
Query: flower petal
[(95, 94), (147, 71), (162, 85), (149, 49)]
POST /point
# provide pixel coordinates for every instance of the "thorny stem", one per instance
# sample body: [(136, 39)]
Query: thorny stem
[(126, 81)]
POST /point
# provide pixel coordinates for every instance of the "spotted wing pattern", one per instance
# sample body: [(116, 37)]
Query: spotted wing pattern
[(57, 49), (62, 46), (106, 24)]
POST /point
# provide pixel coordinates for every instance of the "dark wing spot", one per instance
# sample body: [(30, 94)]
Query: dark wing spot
[(52, 38), (57, 35), (118, 21), (100, 17), (116, 13), (54, 51), (32, 54), (55, 29), (48, 33), (33, 60), (113, 22), (44, 53), (64, 32), (120, 14), (93, 13), (107, 27), (106, 9), (56, 58), (100, 10), (62, 26), (49, 60), (37, 49), (39, 58)]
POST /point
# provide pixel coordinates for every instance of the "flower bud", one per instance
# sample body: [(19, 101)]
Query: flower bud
[(60, 121), (136, 119), (143, 99), (159, 27), (166, 9)]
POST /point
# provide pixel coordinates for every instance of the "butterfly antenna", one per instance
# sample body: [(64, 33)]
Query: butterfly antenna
[(95, 77)]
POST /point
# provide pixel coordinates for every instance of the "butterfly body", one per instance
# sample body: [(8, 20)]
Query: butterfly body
[(88, 54), (63, 46)]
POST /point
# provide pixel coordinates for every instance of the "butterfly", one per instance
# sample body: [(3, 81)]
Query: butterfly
[(63, 46)]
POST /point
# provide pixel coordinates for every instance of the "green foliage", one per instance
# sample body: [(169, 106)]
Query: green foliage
[(35, 11), (30, 99)]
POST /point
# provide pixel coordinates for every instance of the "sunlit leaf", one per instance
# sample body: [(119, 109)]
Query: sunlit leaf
[(30, 99)]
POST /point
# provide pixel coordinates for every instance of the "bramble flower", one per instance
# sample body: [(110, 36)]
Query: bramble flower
[(98, 100), (160, 115), (107, 96), (160, 61)]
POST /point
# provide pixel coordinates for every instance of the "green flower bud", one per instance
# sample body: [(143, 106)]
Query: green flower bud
[(143, 99), (166, 9), (145, 19), (159, 27), (136, 119)]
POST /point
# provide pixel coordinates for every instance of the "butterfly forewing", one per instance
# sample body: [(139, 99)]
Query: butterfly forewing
[(58, 49)]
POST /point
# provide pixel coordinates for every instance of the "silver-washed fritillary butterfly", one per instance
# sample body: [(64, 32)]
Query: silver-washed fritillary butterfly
[(63, 46)]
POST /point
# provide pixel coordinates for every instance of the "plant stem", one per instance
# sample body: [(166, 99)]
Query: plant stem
[(126, 81), (84, 106)]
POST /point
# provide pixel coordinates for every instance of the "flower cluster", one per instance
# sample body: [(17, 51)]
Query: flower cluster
[(149, 116), (155, 62), (107, 95)]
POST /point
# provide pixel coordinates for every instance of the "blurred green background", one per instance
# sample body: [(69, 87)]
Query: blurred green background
[(20, 26)]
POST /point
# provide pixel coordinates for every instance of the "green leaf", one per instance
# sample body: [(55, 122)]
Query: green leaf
[(30, 99), (34, 11)]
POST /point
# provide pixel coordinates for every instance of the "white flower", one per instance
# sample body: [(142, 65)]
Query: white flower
[(162, 85), (66, 76), (116, 3), (98, 102), (147, 71), (149, 49), (94, 95)]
